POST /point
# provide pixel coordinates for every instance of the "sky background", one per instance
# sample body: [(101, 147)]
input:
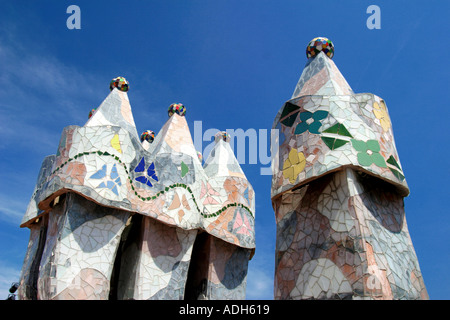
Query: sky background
[(232, 64)]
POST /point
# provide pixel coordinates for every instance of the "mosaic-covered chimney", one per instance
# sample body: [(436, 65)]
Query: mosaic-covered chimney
[(115, 215), (337, 191)]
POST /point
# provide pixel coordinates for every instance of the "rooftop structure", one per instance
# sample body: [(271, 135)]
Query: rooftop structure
[(337, 191), (118, 215)]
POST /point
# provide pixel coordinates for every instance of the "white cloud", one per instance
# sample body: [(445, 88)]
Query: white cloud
[(40, 95), (259, 284), (12, 210)]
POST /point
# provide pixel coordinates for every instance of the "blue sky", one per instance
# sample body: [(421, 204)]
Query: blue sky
[(232, 64)]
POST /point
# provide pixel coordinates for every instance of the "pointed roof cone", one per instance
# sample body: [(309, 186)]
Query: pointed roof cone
[(115, 110), (321, 77), (176, 134), (221, 161)]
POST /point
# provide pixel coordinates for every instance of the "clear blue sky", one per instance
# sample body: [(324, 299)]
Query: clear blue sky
[(232, 64)]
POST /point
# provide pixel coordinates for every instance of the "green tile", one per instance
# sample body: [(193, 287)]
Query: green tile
[(320, 115), (184, 169), (339, 129), (288, 108), (339, 143), (373, 145), (289, 121), (333, 143), (392, 161), (364, 159), (314, 127), (344, 132), (359, 145), (301, 127), (329, 142), (397, 174), (378, 160), (333, 129)]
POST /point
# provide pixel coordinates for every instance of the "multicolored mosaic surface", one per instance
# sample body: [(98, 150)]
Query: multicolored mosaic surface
[(91, 113), (120, 83), (223, 135), (177, 108), (319, 44), (337, 191), (112, 217), (148, 135)]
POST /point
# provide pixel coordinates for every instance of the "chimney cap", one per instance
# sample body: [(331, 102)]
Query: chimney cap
[(316, 45)]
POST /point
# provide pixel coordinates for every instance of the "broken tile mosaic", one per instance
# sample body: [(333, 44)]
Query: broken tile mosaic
[(148, 135), (115, 215), (120, 83), (337, 192), (320, 44), (177, 108)]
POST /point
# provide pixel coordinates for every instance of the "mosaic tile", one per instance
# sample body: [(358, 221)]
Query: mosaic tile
[(341, 226), (148, 135), (368, 153), (320, 44), (120, 83), (91, 112), (293, 165), (106, 168), (177, 108), (341, 118), (310, 121)]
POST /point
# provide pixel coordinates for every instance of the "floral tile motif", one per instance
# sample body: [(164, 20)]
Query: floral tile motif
[(110, 181), (310, 121), (148, 174), (115, 143), (241, 224), (208, 194), (328, 188), (293, 165), (368, 153), (333, 115), (380, 112), (107, 164)]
